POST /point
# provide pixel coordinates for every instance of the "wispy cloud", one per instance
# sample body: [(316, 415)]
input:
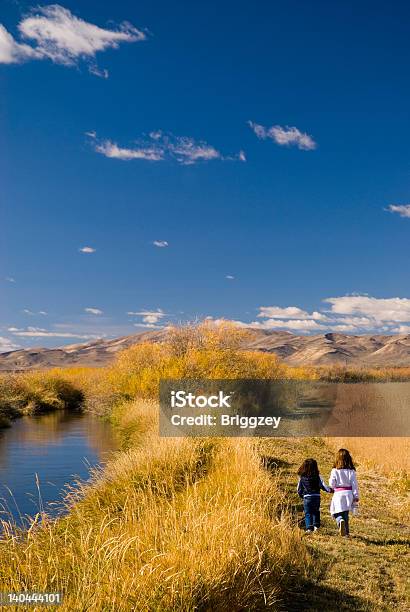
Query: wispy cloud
[(159, 146), (229, 277), (345, 314), (113, 151), (150, 326), (39, 332), (10, 279), (33, 313), (12, 52), (87, 249), (284, 136), (93, 311), (7, 345), (162, 244), (400, 209), (53, 32)]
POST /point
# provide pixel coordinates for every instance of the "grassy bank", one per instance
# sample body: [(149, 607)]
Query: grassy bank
[(36, 393), (170, 525), (210, 524)]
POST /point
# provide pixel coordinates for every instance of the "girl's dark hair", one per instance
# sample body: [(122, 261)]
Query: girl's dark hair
[(309, 468), (344, 460)]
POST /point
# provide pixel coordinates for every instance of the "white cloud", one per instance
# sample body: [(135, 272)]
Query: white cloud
[(376, 309), (7, 345), (56, 34), (149, 325), (39, 332), (160, 243), (187, 151), (159, 146), (93, 311), (87, 249), (290, 312), (302, 325), (284, 136), (12, 52), (100, 72), (347, 314), (230, 277), (401, 209), (402, 329), (113, 151), (27, 311), (10, 279), (150, 317)]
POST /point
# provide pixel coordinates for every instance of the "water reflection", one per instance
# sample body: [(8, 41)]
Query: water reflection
[(52, 450)]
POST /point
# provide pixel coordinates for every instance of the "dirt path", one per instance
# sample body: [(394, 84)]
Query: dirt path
[(369, 571)]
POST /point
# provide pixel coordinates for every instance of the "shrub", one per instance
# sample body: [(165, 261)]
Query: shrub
[(202, 350), (36, 393)]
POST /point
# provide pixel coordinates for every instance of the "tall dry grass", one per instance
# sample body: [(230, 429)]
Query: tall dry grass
[(170, 525), (35, 393), (390, 455)]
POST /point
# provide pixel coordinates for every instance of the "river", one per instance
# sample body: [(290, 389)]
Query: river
[(41, 455)]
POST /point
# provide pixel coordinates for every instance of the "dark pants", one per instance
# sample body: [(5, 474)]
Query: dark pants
[(342, 515), (311, 506)]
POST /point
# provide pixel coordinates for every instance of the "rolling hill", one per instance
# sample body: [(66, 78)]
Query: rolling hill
[(324, 349)]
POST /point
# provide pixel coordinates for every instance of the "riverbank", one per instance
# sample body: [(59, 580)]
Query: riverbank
[(187, 524), (35, 393), (169, 524)]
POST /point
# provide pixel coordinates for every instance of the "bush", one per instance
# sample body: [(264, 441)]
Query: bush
[(36, 393), (205, 350)]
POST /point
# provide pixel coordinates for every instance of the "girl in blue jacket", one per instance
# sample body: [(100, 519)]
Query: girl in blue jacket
[(309, 486)]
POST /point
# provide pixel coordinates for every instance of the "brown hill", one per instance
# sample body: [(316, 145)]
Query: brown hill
[(326, 349)]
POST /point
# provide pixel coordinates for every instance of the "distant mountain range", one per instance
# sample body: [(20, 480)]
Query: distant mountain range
[(326, 349)]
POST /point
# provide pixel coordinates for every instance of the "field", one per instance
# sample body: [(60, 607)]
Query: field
[(209, 524)]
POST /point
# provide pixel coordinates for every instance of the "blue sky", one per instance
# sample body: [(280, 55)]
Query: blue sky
[(263, 148)]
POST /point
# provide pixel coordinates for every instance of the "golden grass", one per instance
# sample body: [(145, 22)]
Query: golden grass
[(389, 457), (180, 524), (34, 393), (389, 454)]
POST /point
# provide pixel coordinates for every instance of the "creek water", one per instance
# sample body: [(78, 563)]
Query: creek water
[(41, 455)]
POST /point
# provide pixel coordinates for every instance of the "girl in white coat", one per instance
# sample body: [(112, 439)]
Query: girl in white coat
[(343, 481)]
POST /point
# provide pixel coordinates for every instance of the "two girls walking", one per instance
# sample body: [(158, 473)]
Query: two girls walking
[(343, 485)]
